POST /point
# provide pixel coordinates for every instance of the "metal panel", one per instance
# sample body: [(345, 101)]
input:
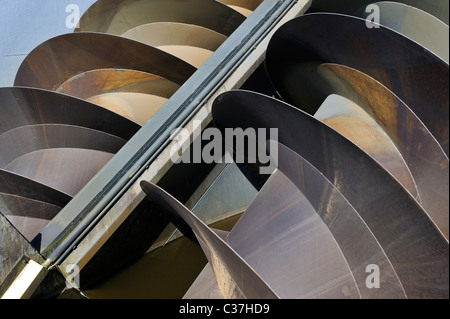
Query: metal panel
[(104, 191), (27, 106), (415, 75), (30, 138), (119, 16), (415, 246), (65, 169), (47, 65), (309, 86), (95, 82)]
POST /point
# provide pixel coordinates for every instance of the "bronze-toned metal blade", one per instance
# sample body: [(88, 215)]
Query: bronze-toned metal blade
[(27, 139), (118, 16), (189, 42), (95, 82), (56, 60), (138, 107), (416, 248), (28, 106), (415, 75), (438, 9), (64, 169), (235, 277), (421, 153), (133, 94), (349, 119)]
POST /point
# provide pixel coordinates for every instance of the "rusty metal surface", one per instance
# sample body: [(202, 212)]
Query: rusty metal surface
[(118, 16), (28, 106), (95, 82), (55, 61), (416, 24), (422, 154), (416, 248), (133, 94), (439, 9), (349, 119), (416, 76)]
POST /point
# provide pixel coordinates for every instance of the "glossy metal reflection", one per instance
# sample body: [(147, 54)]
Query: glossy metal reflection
[(416, 248), (95, 82), (55, 61), (417, 149), (133, 94), (191, 43), (416, 76), (119, 16)]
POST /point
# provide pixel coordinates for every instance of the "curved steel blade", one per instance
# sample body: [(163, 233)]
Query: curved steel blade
[(416, 248), (191, 43), (354, 240), (235, 277), (438, 9), (21, 106), (414, 23), (415, 75), (64, 169), (425, 159), (26, 139), (118, 16), (27, 204), (350, 120), (56, 60), (96, 82), (138, 107), (16, 185)]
